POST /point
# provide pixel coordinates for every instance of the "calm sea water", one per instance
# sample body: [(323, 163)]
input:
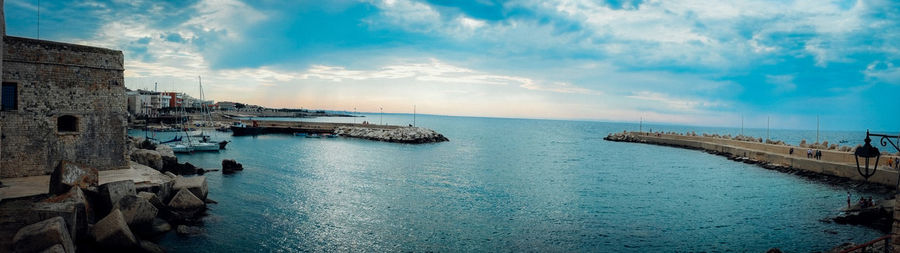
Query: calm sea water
[(506, 185)]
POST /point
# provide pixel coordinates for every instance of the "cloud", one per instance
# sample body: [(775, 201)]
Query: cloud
[(882, 71), (675, 104), (782, 83)]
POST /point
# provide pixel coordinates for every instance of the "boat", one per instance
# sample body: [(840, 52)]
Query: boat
[(174, 139), (241, 129), (181, 148), (300, 134), (204, 146), (331, 135), (313, 136)]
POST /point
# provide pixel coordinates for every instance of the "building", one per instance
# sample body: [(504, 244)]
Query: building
[(226, 106), (60, 101)]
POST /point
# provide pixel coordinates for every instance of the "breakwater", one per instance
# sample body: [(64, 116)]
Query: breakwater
[(387, 133), (835, 163)]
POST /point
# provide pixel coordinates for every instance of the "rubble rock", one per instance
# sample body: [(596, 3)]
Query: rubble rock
[(149, 247), (150, 158), (44, 235), (80, 212), (152, 198), (68, 174), (160, 226), (185, 205), (188, 230), (230, 166), (137, 211), (168, 156), (197, 185), (55, 249), (113, 231)]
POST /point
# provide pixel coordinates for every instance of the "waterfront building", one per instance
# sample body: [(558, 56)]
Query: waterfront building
[(226, 106), (71, 106)]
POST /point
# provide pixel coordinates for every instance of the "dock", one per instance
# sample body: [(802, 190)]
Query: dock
[(833, 162)]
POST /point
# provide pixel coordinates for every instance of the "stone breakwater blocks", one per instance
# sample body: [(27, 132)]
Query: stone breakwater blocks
[(150, 158), (112, 192), (137, 211), (68, 174), (185, 200), (55, 249), (44, 235), (76, 206), (197, 185), (113, 231), (152, 198)]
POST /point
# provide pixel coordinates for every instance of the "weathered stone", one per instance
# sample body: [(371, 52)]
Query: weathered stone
[(137, 211), (43, 235), (185, 200), (166, 153), (68, 174), (188, 230), (21, 212), (160, 226), (113, 231), (196, 185), (55, 249), (230, 166), (71, 107), (152, 198), (149, 247), (150, 158), (80, 212), (112, 192), (173, 176)]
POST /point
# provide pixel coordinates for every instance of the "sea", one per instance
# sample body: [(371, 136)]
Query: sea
[(510, 185)]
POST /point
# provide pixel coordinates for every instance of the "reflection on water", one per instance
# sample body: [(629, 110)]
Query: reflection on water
[(509, 185)]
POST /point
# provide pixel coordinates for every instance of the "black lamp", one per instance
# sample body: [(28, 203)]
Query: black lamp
[(867, 152)]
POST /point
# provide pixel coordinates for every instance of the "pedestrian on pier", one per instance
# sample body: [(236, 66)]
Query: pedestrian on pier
[(809, 153), (791, 152)]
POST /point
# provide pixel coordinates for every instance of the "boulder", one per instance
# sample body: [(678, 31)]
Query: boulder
[(55, 249), (77, 209), (173, 176), (160, 226), (162, 190), (150, 158), (185, 200), (44, 235), (152, 198), (168, 156), (137, 211), (197, 185), (112, 192), (149, 247), (188, 230), (230, 166), (69, 174), (113, 231)]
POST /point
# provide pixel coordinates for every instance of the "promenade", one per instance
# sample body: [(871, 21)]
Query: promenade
[(833, 162)]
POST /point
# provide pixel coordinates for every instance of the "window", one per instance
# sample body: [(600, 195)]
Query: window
[(67, 123), (10, 97)]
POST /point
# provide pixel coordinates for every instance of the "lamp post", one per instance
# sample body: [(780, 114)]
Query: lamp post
[(885, 140), (867, 152)]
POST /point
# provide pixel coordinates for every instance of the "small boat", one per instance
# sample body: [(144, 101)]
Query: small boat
[(331, 135), (300, 134), (222, 144), (181, 148), (223, 129), (204, 146), (174, 139), (313, 136)]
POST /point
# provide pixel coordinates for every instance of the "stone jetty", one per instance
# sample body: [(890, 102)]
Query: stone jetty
[(413, 135), (835, 164)]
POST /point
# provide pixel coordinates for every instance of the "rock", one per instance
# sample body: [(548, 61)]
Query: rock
[(160, 226), (112, 192), (773, 250), (185, 200), (136, 211), (188, 230), (44, 235), (78, 212), (168, 157), (152, 198), (210, 201), (173, 176), (230, 166), (55, 249), (113, 231), (150, 158), (413, 135), (196, 185), (68, 174), (149, 247), (163, 191)]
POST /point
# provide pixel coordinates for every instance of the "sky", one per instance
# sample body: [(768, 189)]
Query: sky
[(692, 62)]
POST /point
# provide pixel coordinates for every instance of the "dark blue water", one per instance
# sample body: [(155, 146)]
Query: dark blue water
[(505, 185)]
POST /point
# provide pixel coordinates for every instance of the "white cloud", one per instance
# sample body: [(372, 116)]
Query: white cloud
[(882, 71), (667, 102)]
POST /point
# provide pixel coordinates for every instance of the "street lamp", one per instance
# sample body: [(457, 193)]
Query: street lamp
[(867, 152)]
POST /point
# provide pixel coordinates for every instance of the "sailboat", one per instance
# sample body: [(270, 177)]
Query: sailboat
[(205, 143)]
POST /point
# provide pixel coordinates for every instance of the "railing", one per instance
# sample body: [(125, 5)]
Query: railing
[(864, 246)]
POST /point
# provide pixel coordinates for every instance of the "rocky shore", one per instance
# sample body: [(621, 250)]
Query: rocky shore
[(414, 135)]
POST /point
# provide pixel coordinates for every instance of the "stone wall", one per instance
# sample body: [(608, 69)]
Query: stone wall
[(55, 80)]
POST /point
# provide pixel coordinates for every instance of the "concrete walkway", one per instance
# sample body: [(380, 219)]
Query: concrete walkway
[(37, 185)]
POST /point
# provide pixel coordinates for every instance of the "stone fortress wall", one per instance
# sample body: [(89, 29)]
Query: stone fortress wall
[(71, 106)]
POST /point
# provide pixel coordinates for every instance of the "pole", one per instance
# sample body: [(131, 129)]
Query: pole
[(381, 116), (354, 115), (768, 120), (414, 115), (641, 126), (817, 128), (742, 124)]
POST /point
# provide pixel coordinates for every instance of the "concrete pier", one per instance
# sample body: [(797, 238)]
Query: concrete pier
[(833, 163)]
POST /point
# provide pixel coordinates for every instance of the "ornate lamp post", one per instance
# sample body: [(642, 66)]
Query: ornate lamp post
[(867, 152)]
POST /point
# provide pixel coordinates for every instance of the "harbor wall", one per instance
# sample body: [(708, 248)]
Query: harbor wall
[(834, 163), (70, 106)]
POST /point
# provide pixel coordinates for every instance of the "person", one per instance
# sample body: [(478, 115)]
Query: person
[(791, 152), (890, 162), (809, 153), (848, 199), (870, 202)]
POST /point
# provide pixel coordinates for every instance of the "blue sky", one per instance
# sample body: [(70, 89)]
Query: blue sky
[(681, 62)]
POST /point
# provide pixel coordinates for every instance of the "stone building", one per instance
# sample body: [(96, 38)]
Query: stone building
[(60, 102)]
